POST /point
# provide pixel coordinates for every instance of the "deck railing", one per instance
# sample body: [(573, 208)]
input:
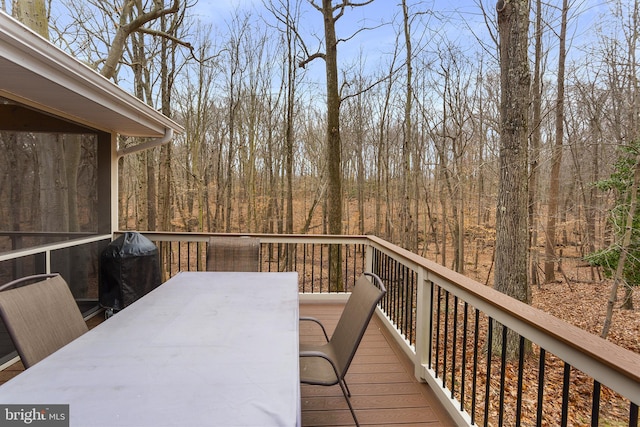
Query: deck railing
[(557, 374), (456, 331)]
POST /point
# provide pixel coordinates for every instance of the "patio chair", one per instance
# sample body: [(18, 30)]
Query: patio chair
[(327, 364), (233, 254), (40, 317)]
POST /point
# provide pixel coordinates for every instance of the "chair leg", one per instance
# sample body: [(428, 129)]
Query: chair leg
[(346, 387), (345, 391)]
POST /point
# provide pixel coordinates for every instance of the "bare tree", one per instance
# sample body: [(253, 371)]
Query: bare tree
[(556, 157), (287, 15), (408, 222), (511, 259), (129, 23), (536, 136), (330, 14)]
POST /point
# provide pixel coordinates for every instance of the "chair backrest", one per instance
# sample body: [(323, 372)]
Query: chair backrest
[(41, 317), (355, 318), (233, 254)]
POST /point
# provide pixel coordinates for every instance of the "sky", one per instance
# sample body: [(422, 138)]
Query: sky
[(369, 45), (460, 20)]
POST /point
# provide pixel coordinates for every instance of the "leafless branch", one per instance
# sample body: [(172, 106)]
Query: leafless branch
[(167, 36), (310, 58)]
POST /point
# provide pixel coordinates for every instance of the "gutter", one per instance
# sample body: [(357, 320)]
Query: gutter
[(168, 136)]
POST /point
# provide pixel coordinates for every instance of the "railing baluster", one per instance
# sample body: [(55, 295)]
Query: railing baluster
[(387, 279), (321, 247), (474, 378), (566, 378), (412, 307), (503, 371), (438, 304), (488, 379), (463, 370), (304, 268), (295, 256), (454, 350), (389, 272), (406, 307), (402, 314), (346, 267), (396, 289), (280, 253), (445, 345), (381, 262), (430, 329), (595, 404), (172, 258), (521, 355), (179, 255), (313, 267), (541, 369)]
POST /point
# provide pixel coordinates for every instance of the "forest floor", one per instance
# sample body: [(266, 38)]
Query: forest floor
[(584, 305)]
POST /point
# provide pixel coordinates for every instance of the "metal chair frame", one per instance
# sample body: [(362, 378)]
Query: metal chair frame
[(327, 364)]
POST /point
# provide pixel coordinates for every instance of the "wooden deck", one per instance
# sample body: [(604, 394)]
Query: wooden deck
[(384, 390)]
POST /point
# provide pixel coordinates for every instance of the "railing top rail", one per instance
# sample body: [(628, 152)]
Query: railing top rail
[(501, 307), (264, 237), (4, 256), (45, 233)]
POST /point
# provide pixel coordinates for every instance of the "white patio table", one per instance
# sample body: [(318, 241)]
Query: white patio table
[(203, 349)]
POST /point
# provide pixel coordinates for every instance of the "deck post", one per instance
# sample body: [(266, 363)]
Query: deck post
[(424, 309)]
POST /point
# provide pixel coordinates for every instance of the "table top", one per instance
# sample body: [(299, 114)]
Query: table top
[(203, 349)]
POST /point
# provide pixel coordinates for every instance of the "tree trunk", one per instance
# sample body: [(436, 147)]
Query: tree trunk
[(78, 273), (408, 224), (556, 158), (290, 117), (511, 257), (382, 158), (360, 144), (536, 133), (164, 160), (33, 14), (334, 145), (152, 212)]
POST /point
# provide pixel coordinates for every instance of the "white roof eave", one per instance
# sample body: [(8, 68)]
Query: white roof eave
[(38, 74)]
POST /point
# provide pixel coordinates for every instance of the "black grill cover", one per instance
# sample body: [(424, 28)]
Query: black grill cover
[(129, 269)]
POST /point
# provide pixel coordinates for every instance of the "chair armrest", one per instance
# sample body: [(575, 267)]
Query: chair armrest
[(313, 319), (322, 355), (316, 353)]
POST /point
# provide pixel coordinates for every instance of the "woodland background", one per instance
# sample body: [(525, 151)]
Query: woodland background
[(419, 121)]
